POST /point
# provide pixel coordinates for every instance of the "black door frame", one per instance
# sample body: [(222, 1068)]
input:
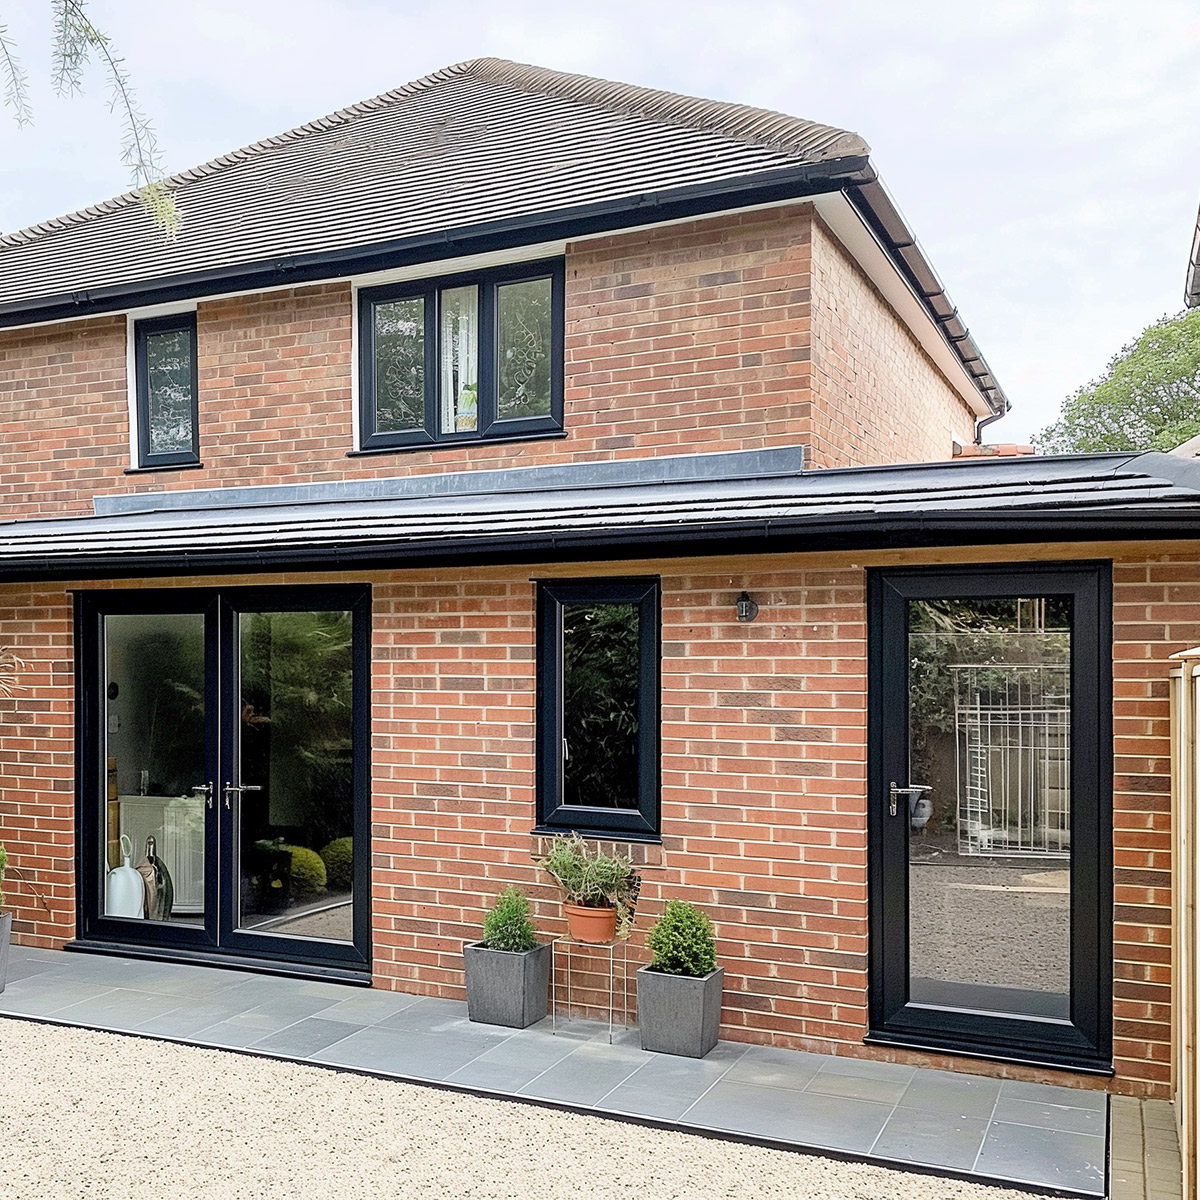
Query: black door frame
[(217, 939), (1084, 1042)]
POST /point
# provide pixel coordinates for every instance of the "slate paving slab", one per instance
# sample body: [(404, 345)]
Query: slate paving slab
[(1005, 1131)]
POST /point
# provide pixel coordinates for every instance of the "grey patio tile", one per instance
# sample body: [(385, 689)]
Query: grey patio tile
[(515, 1062), (1049, 1116), (117, 1008), (368, 1006), (1049, 1093), (857, 1087), (189, 1019), (933, 1139), (41, 996), (951, 1094), (296, 995), (866, 1068), (192, 982), (403, 1052), (229, 1034), (280, 1010), (305, 1037), (586, 1075), (1045, 1157), (828, 1122), (429, 1014), (24, 963), (768, 1066), (667, 1085)]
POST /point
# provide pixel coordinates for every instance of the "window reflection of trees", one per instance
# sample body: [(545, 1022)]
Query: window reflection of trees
[(523, 350), (169, 386), (400, 365), (601, 660)]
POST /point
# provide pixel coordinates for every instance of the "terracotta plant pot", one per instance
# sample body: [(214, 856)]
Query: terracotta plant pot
[(594, 925)]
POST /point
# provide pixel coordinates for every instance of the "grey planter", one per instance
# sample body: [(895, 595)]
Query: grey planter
[(5, 937), (679, 1014), (506, 987)]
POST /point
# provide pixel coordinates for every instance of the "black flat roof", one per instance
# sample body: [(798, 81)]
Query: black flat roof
[(722, 504)]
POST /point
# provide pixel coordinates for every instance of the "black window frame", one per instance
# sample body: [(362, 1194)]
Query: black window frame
[(642, 823), (1084, 1041), (490, 427), (143, 328)]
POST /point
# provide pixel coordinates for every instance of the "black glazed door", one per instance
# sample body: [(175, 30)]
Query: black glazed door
[(230, 727), (990, 811)]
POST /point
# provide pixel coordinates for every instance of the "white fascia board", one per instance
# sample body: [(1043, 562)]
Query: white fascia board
[(864, 247)]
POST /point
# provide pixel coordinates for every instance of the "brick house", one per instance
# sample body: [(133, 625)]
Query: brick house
[(321, 521)]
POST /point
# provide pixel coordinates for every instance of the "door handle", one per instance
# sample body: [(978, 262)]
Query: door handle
[(230, 788), (205, 790), (895, 791)]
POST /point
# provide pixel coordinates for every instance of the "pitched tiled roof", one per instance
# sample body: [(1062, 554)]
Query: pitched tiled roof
[(477, 143), (654, 507)]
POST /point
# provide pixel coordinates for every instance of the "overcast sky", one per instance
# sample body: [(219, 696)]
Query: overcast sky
[(1047, 153)]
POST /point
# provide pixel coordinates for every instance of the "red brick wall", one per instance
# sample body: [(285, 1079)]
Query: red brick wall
[(713, 335), (1156, 612), (763, 781), (877, 397), (37, 765)]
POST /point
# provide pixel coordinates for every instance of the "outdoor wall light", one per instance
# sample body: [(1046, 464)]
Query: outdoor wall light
[(747, 610)]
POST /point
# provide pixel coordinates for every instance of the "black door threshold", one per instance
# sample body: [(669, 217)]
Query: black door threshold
[(236, 962)]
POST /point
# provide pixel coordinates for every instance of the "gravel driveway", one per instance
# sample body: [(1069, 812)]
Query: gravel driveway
[(102, 1115)]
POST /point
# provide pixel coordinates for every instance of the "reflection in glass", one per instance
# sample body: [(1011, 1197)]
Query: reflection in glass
[(155, 755), (295, 750), (523, 350), (990, 841), (169, 391), (600, 705), (459, 356), (400, 365)]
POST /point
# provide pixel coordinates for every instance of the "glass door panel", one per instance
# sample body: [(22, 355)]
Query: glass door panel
[(990, 820), (155, 778), (224, 741), (293, 794), (989, 843)]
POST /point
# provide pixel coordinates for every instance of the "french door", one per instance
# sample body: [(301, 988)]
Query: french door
[(224, 742), (990, 811)]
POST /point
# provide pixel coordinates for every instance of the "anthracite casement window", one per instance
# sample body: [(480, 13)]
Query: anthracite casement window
[(467, 357), (165, 364), (598, 706)]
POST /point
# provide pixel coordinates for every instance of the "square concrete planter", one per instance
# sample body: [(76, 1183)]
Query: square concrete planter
[(5, 936), (506, 987), (679, 1014)]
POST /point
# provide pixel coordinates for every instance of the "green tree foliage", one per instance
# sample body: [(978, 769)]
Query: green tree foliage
[(1148, 399), (76, 42)]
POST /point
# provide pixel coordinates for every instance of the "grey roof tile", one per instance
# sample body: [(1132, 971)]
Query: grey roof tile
[(483, 141)]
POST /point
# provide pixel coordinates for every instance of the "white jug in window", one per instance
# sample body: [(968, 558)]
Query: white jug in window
[(124, 888)]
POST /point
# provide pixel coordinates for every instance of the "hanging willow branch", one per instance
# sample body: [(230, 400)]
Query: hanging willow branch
[(76, 39)]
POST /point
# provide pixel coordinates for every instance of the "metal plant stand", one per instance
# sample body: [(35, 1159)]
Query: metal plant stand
[(569, 945)]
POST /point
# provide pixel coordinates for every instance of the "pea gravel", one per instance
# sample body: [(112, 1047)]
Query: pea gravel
[(99, 1115)]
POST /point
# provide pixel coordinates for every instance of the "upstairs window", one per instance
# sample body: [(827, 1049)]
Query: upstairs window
[(165, 363), (462, 358)]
